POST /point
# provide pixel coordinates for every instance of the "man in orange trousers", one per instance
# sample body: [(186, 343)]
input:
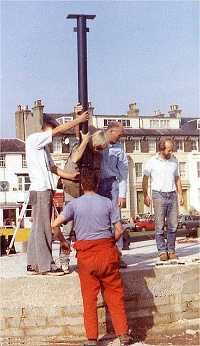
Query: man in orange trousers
[(97, 255)]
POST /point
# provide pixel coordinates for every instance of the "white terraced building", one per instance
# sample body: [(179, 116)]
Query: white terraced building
[(140, 142)]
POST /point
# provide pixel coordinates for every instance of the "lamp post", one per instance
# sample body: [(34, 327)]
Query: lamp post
[(82, 30)]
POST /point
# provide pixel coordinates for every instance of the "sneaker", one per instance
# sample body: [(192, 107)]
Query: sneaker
[(163, 256), (172, 256), (122, 264), (90, 343), (125, 340), (30, 270), (65, 268), (54, 272)]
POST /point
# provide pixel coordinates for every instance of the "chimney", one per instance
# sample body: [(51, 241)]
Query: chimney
[(133, 110), (174, 111), (19, 123)]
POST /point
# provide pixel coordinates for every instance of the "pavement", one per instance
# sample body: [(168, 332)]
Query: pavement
[(142, 255)]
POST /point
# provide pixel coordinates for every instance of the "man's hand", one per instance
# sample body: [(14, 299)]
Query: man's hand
[(121, 202), (85, 137), (181, 200), (83, 117), (65, 247), (147, 201)]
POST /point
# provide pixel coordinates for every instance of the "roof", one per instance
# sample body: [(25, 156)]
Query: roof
[(12, 145), (187, 131)]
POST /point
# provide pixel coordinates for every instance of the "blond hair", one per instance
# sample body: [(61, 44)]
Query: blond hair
[(99, 139)]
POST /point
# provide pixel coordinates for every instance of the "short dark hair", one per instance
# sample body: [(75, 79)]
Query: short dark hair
[(49, 121), (89, 179)]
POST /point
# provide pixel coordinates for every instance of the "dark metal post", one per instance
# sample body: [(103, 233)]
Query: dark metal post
[(82, 60), (87, 159)]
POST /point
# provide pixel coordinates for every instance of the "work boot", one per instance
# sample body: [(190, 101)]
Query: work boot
[(90, 343), (163, 256), (125, 340), (172, 256)]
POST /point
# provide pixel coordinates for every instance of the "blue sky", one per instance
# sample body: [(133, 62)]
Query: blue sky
[(143, 51)]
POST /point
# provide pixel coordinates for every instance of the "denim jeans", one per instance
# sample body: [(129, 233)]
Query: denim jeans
[(66, 231), (165, 208), (110, 188)]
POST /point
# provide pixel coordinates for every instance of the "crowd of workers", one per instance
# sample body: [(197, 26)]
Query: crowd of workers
[(93, 200)]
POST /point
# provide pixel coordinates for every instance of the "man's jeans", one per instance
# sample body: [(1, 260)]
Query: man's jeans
[(110, 188), (165, 208), (66, 231)]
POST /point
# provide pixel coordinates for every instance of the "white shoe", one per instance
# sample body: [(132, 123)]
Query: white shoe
[(65, 268)]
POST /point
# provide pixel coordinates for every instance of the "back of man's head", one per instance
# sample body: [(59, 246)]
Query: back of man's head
[(89, 179), (48, 121), (99, 140)]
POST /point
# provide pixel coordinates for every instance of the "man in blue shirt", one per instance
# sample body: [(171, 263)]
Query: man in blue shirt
[(97, 256), (114, 172), (165, 184)]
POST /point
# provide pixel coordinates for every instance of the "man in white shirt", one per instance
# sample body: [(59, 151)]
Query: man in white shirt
[(40, 167), (165, 184)]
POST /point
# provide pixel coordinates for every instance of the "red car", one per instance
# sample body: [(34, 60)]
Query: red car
[(145, 225)]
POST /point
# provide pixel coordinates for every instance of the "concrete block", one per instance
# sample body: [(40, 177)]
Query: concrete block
[(11, 332), (2, 323), (43, 331), (34, 322), (64, 321), (14, 322)]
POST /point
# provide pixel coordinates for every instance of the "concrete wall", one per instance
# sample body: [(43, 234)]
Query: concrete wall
[(47, 307)]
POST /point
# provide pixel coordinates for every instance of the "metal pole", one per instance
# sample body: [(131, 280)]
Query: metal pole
[(82, 30)]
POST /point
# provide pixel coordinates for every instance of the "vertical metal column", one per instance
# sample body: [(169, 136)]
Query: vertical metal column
[(82, 30)]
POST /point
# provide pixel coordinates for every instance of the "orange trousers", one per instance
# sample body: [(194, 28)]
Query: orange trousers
[(98, 267)]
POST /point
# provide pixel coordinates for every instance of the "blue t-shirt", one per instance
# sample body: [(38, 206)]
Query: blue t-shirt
[(93, 216)]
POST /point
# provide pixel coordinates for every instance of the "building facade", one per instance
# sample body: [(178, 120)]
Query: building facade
[(142, 134), (14, 182)]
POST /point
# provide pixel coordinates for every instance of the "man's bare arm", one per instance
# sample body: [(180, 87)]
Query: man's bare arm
[(78, 153), (147, 199), (179, 189), (118, 230), (65, 175), (70, 124), (58, 234)]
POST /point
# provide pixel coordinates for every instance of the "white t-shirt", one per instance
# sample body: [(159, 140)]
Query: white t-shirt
[(39, 161), (162, 172)]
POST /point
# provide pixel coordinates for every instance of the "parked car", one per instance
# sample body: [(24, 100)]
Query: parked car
[(188, 222), (145, 225)]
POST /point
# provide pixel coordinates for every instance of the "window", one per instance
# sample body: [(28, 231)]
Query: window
[(24, 164), (136, 145), (179, 145), (194, 144), (182, 169), (164, 124), (154, 124), (57, 145), (138, 169), (152, 145), (198, 169), (66, 119), (125, 122), (2, 160), (23, 183), (28, 211)]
